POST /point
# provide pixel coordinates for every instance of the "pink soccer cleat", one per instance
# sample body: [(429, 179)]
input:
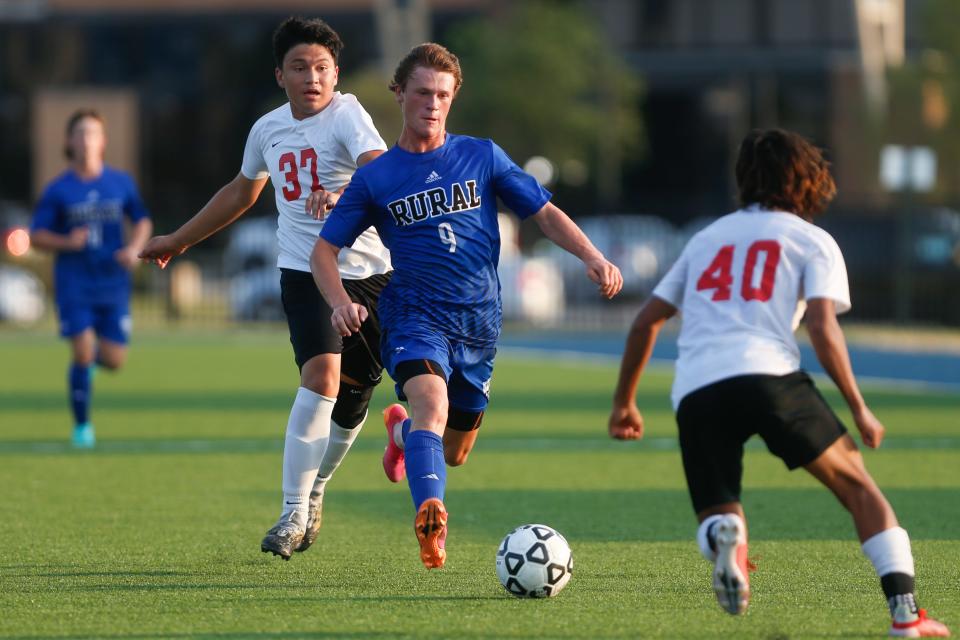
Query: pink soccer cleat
[(922, 627), (393, 455)]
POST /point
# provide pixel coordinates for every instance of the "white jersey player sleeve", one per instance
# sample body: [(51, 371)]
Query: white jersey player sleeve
[(825, 275), (254, 166), (670, 288), (356, 131)]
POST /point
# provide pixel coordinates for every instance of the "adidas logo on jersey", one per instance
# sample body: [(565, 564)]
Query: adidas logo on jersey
[(433, 177)]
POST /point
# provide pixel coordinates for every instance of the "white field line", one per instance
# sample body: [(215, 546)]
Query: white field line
[(599, 443), (664, 364)]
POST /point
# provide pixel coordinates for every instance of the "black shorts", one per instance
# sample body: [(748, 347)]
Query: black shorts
[(715, 421), (312, 334)]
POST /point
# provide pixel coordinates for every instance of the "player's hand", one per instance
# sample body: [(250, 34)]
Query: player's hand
[(320, 202), (871, 429), (77, 239), (625, 423), (347, 318), (127, 257), (160, 249), (606, 275)]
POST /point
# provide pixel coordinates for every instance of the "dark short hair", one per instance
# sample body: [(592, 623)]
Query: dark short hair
[(72, 122), (432, 56), (781, 170), (297, 30)]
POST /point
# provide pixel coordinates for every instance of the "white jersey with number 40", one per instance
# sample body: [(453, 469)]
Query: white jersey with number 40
[(301, 156), (741, 286)]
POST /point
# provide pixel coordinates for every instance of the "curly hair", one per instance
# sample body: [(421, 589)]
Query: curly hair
[(297, 30), (432, 56), (781, 170)]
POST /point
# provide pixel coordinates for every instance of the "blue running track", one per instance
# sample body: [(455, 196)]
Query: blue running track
[(912, 368)]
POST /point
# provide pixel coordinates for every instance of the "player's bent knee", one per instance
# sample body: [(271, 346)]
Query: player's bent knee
[(320, 378), (455, 457), (462, 433), (351, 407), (112, 359)]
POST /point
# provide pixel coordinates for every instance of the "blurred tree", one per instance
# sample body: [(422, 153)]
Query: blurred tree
[(924, 106), (540, 78), (372, 90)]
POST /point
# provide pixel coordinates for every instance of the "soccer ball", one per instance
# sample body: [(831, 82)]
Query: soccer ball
[(534, 561)]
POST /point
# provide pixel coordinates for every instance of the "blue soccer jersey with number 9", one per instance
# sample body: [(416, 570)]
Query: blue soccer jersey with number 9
[(437, 213)]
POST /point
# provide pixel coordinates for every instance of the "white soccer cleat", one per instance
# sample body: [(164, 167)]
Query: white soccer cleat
[(731, 579)]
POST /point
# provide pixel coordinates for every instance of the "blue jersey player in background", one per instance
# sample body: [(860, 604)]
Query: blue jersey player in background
[(81, 217), (433, 200)]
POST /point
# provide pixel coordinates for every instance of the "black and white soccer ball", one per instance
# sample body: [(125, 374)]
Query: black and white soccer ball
[(534, 561)]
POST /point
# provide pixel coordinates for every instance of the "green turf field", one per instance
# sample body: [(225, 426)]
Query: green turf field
[(156, 533)]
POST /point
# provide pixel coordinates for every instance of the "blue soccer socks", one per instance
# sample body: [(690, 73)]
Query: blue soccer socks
[(425, 466), (405, 430), (79, 383)]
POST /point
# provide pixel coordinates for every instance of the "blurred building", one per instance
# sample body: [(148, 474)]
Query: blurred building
[(182, 81), (714, 69), (200, 71)]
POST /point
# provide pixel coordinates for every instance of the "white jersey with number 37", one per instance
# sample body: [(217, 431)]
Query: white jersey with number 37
[(301, 156), (741, 286)]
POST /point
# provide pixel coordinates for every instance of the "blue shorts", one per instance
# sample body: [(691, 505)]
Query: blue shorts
[(467, 370), (109, 321)]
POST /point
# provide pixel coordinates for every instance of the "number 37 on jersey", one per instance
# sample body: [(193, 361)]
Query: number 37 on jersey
[(757, 280)]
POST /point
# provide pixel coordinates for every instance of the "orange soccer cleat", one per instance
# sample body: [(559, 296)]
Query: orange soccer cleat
[(430, 526)]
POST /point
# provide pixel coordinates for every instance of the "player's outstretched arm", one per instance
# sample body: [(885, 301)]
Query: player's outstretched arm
[(128, 254), (564, 232), (347, 315), (625, 422), (831, 348), (228, 204), (48, 240)]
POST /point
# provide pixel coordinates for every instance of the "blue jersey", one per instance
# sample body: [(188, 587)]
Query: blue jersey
[(92, 275), (437, 213)]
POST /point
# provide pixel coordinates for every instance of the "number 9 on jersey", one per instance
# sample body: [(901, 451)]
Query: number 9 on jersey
[(447, 236)]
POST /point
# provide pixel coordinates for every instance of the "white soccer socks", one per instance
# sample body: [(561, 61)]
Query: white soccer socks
[(889, 552), (308, 433), (340, 442)]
